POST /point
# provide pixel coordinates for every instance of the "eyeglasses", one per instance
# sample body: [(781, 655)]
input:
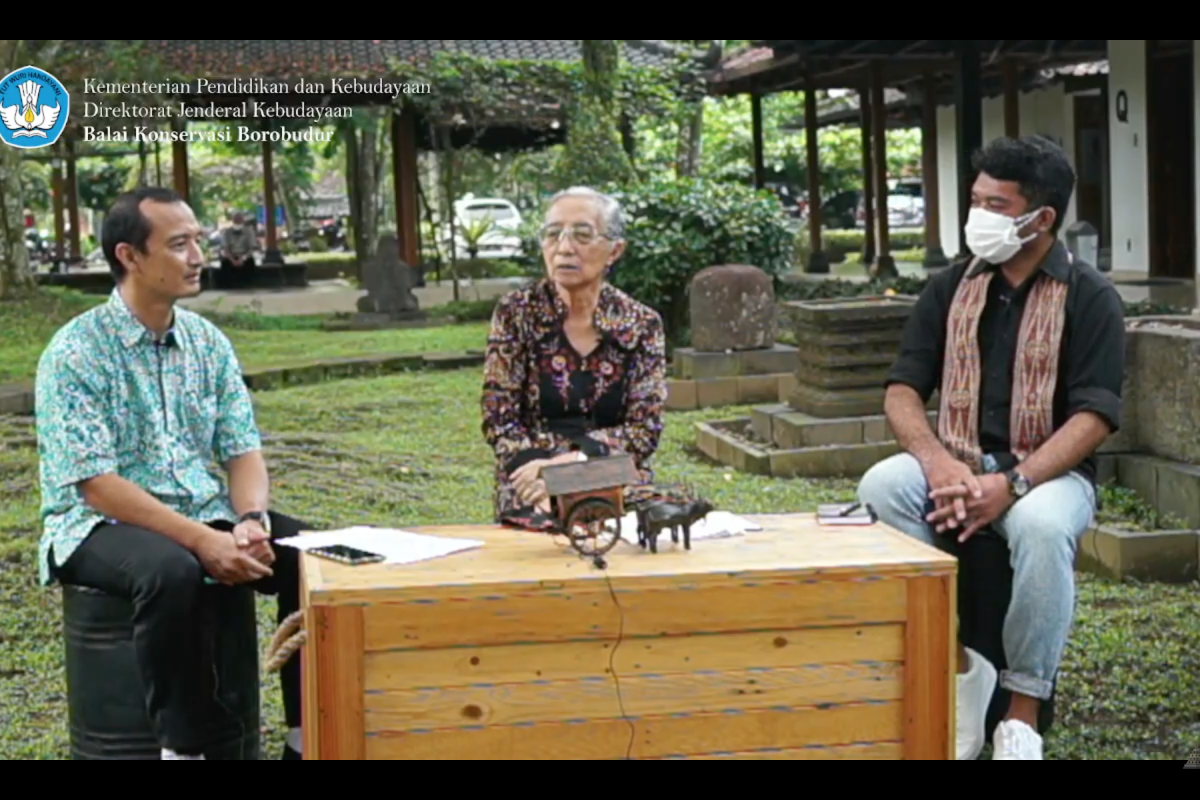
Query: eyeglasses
[(582, 234)]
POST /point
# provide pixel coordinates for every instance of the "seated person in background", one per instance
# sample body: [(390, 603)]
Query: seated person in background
[(135, 400), (1027, 349), (575, 367), (238, 243)]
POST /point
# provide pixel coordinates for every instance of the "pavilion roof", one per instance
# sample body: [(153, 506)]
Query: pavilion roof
[(322, 59), (774, 65), (905, 107)]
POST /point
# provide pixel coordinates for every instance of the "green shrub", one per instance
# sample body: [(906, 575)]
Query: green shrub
[(675, 228), (481, 268), (840, 243), (465, 310)]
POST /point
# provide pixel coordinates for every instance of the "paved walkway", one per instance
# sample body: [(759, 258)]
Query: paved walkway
[(334, 296)]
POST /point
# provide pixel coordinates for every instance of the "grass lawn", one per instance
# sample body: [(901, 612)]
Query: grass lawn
[(28, 327), (407, 450)]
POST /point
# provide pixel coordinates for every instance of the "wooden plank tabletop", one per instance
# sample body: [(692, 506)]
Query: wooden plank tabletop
[(789, 546)]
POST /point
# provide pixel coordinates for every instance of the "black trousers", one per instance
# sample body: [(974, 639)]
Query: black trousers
[(163, 580), (231, 277)]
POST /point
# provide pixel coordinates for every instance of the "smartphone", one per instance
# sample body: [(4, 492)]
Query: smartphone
[(344, 554)]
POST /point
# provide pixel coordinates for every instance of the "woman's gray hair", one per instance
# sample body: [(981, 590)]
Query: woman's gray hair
[(612, 220)]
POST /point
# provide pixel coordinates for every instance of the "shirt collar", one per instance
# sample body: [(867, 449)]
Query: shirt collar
[(1056, 264), (611, 318), (130, 329)]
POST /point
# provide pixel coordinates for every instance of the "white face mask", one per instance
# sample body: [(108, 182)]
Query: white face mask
[(993, 237)]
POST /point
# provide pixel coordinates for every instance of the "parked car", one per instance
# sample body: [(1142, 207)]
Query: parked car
[(905, 210), (501, 241)]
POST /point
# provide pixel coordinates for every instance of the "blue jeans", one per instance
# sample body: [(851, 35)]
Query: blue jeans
[(1043, 530)]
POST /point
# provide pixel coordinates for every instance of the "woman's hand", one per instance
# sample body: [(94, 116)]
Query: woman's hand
[(527, 478)]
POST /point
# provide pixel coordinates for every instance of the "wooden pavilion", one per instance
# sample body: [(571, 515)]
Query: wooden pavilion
[(234, 64), (957, 72)]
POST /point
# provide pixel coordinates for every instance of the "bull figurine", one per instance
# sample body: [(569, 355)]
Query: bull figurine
[(673, 512)]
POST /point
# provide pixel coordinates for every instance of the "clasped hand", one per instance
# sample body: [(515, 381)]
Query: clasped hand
[(241, 558), (961, 498)]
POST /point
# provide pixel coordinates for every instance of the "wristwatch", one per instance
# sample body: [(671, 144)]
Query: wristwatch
[(262, 517), (1018, 484)]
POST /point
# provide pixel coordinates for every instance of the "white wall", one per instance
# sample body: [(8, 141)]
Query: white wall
[(1128, 169), (947, 148)]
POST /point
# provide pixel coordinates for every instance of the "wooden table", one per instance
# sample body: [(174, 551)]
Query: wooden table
[(796, 642)]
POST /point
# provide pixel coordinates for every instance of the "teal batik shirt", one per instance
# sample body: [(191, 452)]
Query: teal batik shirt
[(163, 416)]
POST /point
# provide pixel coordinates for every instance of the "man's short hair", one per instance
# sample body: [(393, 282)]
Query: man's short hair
[(125, 223), (1037, 165)]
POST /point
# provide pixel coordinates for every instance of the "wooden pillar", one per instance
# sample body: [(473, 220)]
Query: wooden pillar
[(884, 265), (756, 129), (404, 180), (934, 255), (179, 162), (60, 228), (1012, 100), (73, 202), (864, 108), (818, 262), (968, 102), (271, 254)]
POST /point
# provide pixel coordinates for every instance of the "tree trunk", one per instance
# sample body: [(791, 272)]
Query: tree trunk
[(595, 152), (16, 275), (364, 162), (449, 177), (691, 135)]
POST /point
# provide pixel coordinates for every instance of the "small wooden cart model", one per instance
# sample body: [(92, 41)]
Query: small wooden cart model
[(588, 498)]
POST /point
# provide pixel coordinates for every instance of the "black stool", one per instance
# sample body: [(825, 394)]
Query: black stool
[(106, 701), (985, 579)]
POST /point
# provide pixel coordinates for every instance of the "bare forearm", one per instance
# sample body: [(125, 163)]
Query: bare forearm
[(119, 499), (1062, 452), (249, 484), (907, 415)]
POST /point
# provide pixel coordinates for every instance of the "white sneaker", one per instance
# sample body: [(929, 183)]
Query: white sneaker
[(1016, 741), (975, 691), (171, 755)]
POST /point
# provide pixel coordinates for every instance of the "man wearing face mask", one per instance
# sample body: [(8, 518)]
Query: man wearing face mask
[(1026, 347)]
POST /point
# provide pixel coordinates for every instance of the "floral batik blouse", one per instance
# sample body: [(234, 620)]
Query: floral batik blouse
[(541, 398)]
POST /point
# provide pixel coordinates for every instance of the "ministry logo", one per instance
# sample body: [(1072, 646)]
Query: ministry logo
[(34, 107)]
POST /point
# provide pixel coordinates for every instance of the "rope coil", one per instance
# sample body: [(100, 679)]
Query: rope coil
[(290, 637)]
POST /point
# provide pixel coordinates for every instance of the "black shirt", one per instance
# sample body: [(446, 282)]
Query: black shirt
[(1091, 367)]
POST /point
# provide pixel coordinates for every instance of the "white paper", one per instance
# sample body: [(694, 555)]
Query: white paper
[(396, 546), (717, 525)]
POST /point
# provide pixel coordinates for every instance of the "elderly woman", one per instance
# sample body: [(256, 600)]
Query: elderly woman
[(575, 367)]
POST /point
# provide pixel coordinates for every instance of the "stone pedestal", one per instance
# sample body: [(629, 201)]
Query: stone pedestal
[(734, 359), (846, 347), (832, 422)]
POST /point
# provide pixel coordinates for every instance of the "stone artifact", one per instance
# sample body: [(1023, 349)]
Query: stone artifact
[(389, 283), (845, 347), (732, 308)]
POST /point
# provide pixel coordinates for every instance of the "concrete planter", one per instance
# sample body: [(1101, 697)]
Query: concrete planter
[(1168, 556)]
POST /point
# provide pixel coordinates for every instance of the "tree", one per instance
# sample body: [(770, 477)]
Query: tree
[(595, 154), (16, 276)]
